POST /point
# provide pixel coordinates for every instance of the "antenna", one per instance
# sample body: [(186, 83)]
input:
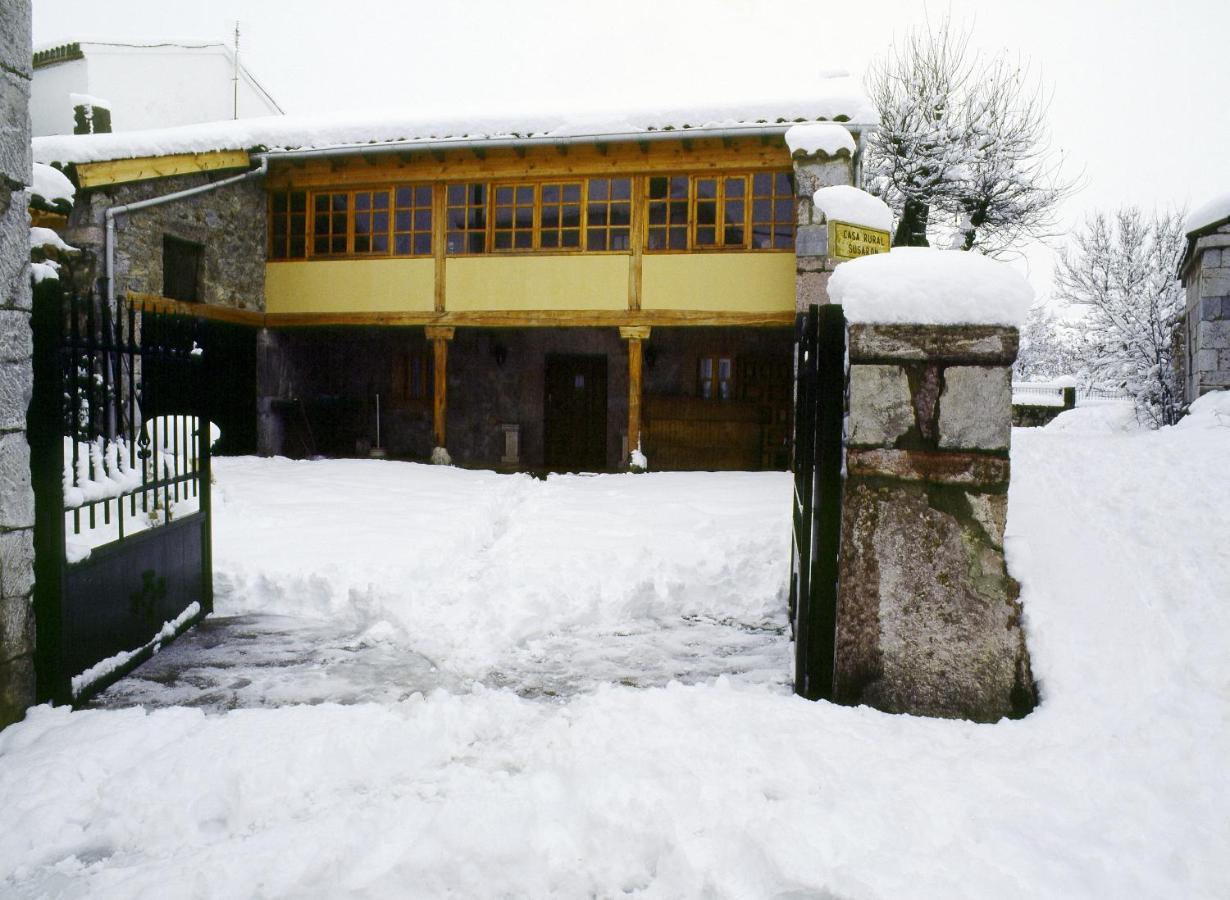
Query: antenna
[(235, 76)]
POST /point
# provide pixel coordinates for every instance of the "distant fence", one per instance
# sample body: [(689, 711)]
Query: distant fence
[(1026, 394)]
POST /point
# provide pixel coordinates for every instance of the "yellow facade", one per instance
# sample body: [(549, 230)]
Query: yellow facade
[(350, 286), (583, 281), (726, 282)]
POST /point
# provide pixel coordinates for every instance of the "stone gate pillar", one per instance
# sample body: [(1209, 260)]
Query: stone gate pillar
[(823, 155), (928, 616), (16, 375)]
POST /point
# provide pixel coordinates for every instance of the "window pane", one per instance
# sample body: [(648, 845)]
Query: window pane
[(762, 183), (503, 196), (550, 193), (595, 239), (401, 221), (550, 239), (503, 240), (422, 195), (597, 214), (380, 243), (280, 202), (621, 188), (621, 213), (572, 238), (658, 187), (322, 203), (525, 194), (523, 240), (679, 239), (783, 210), (403, 196), (706, 236), (380, 222), (550, 217), (422, 220), (599, 188), (401, 245), (422, 244), (572, 193), (619, 239), (298, 201), (361, 244), (362, 200), (456, 194), (380, 199)]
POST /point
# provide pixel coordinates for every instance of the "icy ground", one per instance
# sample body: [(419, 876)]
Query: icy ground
[(577, 688)]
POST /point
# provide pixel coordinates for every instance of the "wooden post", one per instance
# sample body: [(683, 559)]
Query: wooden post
[(634, 334), (439, 336)]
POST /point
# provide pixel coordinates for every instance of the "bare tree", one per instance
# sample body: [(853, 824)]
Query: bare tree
[(1049, 348), (1121, 272), (918, 93), (962, 143)]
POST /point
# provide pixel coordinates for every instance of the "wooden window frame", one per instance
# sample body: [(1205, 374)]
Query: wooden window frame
[(638, 228), (535, 208), (717, 358), (285, 228)]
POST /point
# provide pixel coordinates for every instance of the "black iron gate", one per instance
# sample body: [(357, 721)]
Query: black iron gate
[(120, 459), (820, 393)]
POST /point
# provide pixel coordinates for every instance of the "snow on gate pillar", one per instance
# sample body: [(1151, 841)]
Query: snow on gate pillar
[(929, 618)]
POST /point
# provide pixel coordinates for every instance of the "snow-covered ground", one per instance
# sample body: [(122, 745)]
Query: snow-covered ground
[(599, 702)]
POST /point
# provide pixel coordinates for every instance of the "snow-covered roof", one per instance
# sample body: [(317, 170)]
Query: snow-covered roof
[(843, 203), (1214, 212), (820, 137), (924, 286), (833, 99)]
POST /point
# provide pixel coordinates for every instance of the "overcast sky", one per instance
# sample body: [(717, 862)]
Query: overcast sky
[(1141, 91)]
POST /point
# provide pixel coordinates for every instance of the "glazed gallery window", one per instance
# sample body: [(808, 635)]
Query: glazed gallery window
[(608, 214), (391, 221), (466, 218), (720, 212), (288, 225)]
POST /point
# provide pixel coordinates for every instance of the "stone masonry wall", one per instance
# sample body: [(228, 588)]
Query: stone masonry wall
[(811, 249), (1207, 364), (229, 223), (928, 616), (16, 378)]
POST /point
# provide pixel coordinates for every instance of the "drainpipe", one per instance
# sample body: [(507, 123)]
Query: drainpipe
[(113, 211)]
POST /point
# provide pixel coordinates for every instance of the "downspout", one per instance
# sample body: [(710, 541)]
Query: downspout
[(113, 211)]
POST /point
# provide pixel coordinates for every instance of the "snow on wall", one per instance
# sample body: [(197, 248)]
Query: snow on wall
[(1208, 214), (931, 287), (833, 98), (844, 203), (816, 137), (52, 185)]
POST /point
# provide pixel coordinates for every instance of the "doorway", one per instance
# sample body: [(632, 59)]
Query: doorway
[(574, 413)]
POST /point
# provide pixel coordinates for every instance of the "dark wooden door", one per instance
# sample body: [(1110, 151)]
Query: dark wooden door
[(574, 419)]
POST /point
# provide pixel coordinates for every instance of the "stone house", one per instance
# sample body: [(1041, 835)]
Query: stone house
[(1203, 360), (526, 293)]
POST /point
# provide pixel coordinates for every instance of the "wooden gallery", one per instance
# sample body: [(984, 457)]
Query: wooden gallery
[(513, 294)]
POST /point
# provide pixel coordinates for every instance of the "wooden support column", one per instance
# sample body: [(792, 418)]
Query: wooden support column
[(439, 335), (634, 334)]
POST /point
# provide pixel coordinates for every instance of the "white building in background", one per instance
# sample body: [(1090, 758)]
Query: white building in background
[(144, 84)]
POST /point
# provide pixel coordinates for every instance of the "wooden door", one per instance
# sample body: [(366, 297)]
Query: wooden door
[(574, 416)]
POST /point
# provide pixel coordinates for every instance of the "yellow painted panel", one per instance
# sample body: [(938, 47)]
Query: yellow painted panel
[(584, 281), (118, 171), (350, 285), (722, 282)]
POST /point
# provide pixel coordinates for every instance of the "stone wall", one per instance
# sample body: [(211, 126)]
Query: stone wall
[(1205, 364), (928, 616), (813, 266), (16, 496), (229, 224)]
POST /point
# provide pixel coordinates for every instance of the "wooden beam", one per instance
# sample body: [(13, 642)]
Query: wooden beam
[(635, 332), (545, 318), (540, 161), (439, 405), (197, 310), (438, 238), (479, 153), (636, 263), (440, 332), (634, 394), (119, 171)]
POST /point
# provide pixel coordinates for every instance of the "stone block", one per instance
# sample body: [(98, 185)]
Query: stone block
[(811, 240), (16, 382), (15, 158), (16, 626), (976, 408), (977, 470), (1211, 258), (991, 512), (985, 344), (16, 496), (1206, 360), (16, 689), (881, 408), (1213, 335), (16, 339), (928, 616), (16, 562), (1211, 307), (15, 50), (811, 288), (14, 233), (1215, 283)]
